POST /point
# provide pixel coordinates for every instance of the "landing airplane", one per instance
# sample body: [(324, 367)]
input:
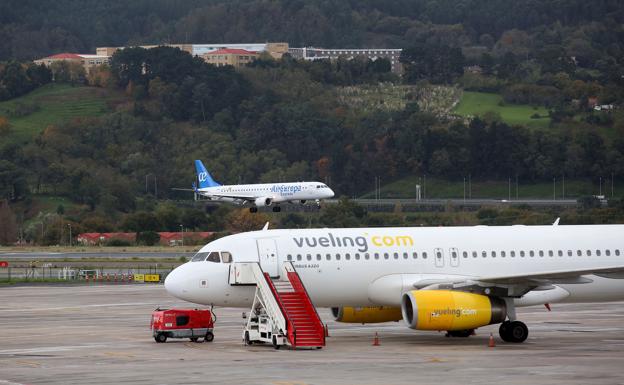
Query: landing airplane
[(260, 195), (438, 278)]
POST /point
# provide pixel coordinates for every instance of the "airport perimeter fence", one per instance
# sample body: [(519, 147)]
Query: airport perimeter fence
[(102, 274)]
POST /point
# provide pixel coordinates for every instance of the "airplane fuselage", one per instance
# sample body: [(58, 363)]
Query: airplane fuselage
[(374, 266), (276, 192)]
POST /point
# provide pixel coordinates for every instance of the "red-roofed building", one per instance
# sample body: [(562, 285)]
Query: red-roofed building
[(166, 238), (230, 56), (87, 61)]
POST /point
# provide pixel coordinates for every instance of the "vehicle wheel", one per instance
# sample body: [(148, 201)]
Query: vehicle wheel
[(253, 209), (503, 331), (518, 332), (160, 337), (247, 340), (275, 345), (194, 339), (460, 333), (209, 337)]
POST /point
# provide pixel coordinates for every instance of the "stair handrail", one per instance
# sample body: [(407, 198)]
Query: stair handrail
[(291, 329), (269, 298), (290, 268)]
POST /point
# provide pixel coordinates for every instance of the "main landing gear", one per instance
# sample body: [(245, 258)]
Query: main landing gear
[(277, 209), (513, 331), (253, 209)]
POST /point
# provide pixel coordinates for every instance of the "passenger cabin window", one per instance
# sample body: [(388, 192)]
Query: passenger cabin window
[(502, 254), (617, 252), (513, 254), (328, 256), (532, 253), (541, 253), (298, 257), (226, 257), (199, 257), (289, 257), (607, 252), (424, 255), (560, 253), (597, 253), (465, 254), (474, 254), (522, 253)]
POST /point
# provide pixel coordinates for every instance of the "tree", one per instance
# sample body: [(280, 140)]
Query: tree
[(8, 225), (242, 220)]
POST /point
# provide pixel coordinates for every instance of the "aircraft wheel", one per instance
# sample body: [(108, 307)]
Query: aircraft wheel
[(516, 331), (277, 209), (275, 345), (209, 337), (253, 209), (460, 333)]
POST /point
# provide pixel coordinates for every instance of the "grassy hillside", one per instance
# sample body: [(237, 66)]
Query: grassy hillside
[(54, 104), (478, 103), (442, 189)]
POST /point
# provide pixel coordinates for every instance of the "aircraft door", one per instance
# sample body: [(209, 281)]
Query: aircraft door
[(454, 254), (438, 255), (267, 253)]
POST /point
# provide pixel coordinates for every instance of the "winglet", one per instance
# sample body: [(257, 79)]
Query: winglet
[(556, 223), (266, 226)]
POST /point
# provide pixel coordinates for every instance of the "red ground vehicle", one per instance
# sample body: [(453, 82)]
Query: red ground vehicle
[(182, 323)]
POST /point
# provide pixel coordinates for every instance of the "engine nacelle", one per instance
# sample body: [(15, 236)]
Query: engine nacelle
[(366, 315), (263, 201), (450, 310)]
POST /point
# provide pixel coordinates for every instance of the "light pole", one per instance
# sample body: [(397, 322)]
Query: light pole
[(70, 234), (182, 231)]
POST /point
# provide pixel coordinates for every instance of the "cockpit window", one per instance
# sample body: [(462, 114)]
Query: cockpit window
[(199, 257), (226, 256), (213, 257)]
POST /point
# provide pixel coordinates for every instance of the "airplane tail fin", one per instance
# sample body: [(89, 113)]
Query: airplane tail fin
[(204, 177)]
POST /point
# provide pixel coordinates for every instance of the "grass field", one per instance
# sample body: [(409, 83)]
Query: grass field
[(55, 104), (444, 189), (478, 103)]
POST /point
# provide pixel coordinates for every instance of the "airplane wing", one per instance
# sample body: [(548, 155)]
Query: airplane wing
[(516, 285), (555, 275), (249, 198)]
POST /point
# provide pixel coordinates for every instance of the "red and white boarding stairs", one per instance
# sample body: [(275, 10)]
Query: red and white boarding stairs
[(282, 312)]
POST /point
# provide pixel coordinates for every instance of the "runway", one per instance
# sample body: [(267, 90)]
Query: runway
[(100, 334)]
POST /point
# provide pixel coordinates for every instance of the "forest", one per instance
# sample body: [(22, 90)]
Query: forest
[(279, 120)]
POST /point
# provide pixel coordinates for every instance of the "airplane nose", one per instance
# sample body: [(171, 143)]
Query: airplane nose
[(174, 284), (330, 193)]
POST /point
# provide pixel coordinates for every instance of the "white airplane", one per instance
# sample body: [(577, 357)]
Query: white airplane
[(434, 278), (259, 195)]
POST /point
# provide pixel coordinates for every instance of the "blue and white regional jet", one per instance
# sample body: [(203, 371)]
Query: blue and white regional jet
[(259, 195)]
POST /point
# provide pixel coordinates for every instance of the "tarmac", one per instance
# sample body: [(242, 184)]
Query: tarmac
[(99, 334)]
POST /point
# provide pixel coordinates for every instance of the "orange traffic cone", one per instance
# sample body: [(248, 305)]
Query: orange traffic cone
[(491, 343), (376, 340)]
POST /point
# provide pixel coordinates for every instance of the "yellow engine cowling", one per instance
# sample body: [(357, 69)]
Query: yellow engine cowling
[(450, 310), (366, 315)]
